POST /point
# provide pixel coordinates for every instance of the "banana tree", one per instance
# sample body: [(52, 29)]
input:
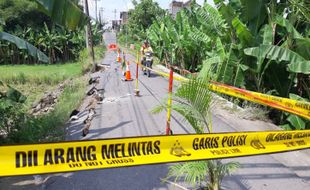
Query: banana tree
[(282, 63), (185, 40), (50, 41), (22, 44), (293, 121), (65, 12)]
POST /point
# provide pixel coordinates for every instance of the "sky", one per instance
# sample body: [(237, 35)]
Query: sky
[(109, 7)]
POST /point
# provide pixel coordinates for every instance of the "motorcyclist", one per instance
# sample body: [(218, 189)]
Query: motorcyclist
[(144, 49)]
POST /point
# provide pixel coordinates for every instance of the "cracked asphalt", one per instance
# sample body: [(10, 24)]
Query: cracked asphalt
[(121, 114)]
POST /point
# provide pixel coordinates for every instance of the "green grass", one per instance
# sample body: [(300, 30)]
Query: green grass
[(39, 74), (86, 61), (33, 81), (50, 127)]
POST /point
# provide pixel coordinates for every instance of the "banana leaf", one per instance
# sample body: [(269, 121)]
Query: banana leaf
[(289, 27), (302, 43), (239, 79), (277, 77), (296, 122), (243, 33), (267, 34), (300, 67), (227, 12), (63, 12), (254, 13), (303, 47), (198, 35), (211, 20), (22, 44), (2, 22), (297, 63)]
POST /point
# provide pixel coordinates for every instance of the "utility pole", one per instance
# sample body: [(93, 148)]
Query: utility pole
[(96, 9), (101, 14), (115, 11), (115, 21), (90, 37), (99, 18), (86, 27), (126, 25)]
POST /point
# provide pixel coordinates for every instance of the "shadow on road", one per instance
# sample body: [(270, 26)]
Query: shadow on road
[(131, 178), (95, 133)]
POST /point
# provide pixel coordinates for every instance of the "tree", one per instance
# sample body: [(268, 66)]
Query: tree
[(64, 13), (141, 17), (270, 41), (15, 13), (186, 40), (22, 44)]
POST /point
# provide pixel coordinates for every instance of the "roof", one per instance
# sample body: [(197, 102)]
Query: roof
[(180, 3), (176, 4), (123, 13), (187, 3)]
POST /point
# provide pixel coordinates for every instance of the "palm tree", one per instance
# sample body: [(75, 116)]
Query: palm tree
[(204, 174), (193, 101)]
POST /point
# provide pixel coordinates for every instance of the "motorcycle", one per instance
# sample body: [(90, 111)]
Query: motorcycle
[(148, 61)]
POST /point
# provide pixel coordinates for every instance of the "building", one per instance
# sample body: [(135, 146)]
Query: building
[(187, 4), (124, 17), (176, 6), (116, 25)]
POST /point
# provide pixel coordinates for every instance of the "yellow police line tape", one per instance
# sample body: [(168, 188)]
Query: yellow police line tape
[(285, 104), (292, 106), (123, 152)]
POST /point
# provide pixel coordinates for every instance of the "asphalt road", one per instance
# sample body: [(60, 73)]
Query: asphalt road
[(123, 115)]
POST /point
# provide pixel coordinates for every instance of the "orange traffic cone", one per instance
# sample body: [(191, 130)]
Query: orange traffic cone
[(128, 75), (119, 60)]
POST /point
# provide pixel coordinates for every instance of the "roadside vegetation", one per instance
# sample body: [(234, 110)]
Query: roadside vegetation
[(44, 74), (193, 100), (260, 46), (19, 126), (33, 82), (37, 58), (140, 19)]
